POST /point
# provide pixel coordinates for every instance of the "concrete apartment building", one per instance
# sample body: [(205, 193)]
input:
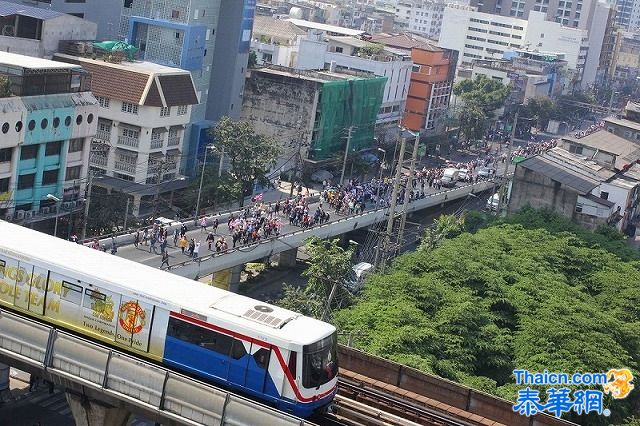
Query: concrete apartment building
[(47, 122), (144, 109), (104, 13), (309, 112), (32, 31), (421, 16), (479, 35), (276, 41), (209, 38), (627, 124)]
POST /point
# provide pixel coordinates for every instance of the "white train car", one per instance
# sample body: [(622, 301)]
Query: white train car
[(284, 358)]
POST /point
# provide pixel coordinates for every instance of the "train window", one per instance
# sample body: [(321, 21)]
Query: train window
[(2, 265), (319, 362), (95, 298), (292, 363), (238, 350), (71, 292), (262, 357), (200, 336)]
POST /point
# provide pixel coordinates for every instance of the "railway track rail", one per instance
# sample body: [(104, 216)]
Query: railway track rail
[(356, 404)]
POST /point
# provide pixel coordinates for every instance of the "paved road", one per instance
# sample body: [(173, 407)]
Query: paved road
[(142, 253)]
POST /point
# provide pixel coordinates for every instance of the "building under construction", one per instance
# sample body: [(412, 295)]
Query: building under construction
[(310, 112)]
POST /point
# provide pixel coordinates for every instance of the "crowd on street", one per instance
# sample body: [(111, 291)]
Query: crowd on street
[(263, 220)]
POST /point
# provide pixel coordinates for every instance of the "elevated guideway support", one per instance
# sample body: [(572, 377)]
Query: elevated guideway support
[(104, 386)]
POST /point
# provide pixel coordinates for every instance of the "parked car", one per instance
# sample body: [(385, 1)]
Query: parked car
[(463, 175), (360, 271), (492, 203), (486, 172), (450, 177)]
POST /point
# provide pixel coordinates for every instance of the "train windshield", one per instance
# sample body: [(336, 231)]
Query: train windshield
[(320, 363)]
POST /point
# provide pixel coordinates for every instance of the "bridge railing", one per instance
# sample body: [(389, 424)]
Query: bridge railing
[(154, 389), (251, 246)]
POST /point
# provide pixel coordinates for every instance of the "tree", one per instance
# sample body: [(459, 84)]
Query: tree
[(215, 190), (472, 121), (253, 59), (443, 228), (299, 300), (541, 110), (250, 154), (106, 211), (5, 87), (508, 296), (483, 92)]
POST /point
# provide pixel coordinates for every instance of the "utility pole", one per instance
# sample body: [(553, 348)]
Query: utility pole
[(508, 159), (221, 162), (382, 252), (204, 164), (83, 235), (346, 154), (162, 165), (126, 214), (409, 187)]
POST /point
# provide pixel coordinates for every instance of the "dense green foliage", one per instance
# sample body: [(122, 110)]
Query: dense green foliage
[(474, 307)]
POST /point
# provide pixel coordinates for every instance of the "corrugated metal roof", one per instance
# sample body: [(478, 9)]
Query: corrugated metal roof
[(272, 27), (544, 166), (8, 9)]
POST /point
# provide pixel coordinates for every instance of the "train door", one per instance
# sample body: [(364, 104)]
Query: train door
[(238, 362), (257, 368), (39, 277), (134, 323)]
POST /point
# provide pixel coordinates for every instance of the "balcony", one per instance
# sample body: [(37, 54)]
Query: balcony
[(128, 141), (174, 141), (103, 135), (156, 144), (98, 160), (125, 167)]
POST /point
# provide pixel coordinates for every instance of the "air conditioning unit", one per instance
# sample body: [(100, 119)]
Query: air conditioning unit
[(28, 214), (45, 210), (8, 217), (67, 205), (19, 214)]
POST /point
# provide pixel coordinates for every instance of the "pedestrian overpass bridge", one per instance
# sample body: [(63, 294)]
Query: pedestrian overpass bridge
[(288, 243), (104, 386)]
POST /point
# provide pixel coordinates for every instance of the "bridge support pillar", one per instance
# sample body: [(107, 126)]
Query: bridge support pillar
[(288, 258), (135, 210), (5, 390), (89, 412), (234, 284)]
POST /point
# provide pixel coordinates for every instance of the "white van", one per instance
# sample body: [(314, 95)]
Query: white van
[(360, 271), (450, 177), (492, 203)]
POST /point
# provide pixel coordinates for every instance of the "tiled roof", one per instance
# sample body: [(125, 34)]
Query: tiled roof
[(272, 27), (405, 41), (177, 90), (8, 9), (128, 82)]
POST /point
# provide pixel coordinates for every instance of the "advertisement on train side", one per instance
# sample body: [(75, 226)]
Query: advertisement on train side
[(85, 307)]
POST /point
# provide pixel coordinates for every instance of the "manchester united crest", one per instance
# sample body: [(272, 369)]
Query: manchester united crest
[(131, 317)]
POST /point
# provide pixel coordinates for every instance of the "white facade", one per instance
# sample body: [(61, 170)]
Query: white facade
[(341, 52), (421, 16), (477, 35)]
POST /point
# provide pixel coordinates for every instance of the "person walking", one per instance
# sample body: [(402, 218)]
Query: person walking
[(203, 224), (196, 250), (176, 237), (165, 259), (153, 244), (183, 243), (136, 240), (192, 247)]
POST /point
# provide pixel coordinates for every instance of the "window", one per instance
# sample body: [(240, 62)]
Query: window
[(130, 133), (578, 207), (28, 152), (4, 185), (238, 350), (293, 358), (103, 102), (5, 128), (73, 173), (262, 358), (575, 149), (71, 292), (182, 109), (165, 111), (76, 145), (175, 14), (93, 298), (319, 362), (5, 155), (129, 107), (50, 177), (26, 181), (604, 195), (53, 148), (200, 336), (415, 68), (339, 49)]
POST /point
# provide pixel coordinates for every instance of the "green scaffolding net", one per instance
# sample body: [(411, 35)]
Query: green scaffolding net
[(343, 104), (118, 46)]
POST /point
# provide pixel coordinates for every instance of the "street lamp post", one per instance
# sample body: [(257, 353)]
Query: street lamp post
[(57, 200), (204, 164)]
